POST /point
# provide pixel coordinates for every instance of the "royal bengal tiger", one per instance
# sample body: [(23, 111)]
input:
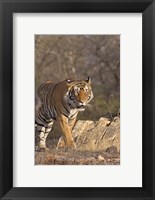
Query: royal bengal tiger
[(61, 102)]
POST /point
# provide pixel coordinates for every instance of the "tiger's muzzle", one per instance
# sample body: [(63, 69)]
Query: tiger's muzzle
[(81, 106)]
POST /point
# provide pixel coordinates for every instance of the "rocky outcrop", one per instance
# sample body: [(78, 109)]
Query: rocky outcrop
[(100, 135)]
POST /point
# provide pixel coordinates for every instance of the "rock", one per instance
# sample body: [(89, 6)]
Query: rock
[(112, 149), (82, 126), (98, 135), (101, 158), (103, 122)]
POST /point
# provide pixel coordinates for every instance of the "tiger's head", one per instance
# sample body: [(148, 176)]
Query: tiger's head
[(79, 93)]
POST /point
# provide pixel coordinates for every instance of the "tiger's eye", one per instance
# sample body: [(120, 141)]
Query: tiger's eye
[(71, 97)]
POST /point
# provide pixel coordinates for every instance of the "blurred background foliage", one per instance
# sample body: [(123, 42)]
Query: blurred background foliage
[(58, 57)]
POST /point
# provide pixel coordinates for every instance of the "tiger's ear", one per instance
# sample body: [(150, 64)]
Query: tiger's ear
[(88, 80), (69, 80)]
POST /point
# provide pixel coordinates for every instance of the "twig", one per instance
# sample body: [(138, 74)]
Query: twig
[(43, 46), (109, 111), (51, 52)]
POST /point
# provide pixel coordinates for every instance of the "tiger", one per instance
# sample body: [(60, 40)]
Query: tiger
[(60, 102)]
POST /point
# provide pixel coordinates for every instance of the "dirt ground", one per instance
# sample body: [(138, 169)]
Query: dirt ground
[(59, 157)]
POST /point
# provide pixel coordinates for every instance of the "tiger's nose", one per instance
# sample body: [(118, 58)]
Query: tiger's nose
[(81, 103)]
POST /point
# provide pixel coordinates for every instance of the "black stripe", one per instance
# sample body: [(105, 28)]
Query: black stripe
[(80, 85), (41, 131), (65, 106), (72, 117), (39, 124), (65, 115), (50, 112), (43, 126), (53, 118), (41, 119)]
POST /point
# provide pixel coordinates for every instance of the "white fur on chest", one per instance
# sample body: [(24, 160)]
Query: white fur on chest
[(72, 113)]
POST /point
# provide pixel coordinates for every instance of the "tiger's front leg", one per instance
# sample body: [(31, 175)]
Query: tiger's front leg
[(61, 142), (66, 130)]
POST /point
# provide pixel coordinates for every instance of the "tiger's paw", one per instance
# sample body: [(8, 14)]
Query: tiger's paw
[(71, 146), (61, 144), (41, 149)]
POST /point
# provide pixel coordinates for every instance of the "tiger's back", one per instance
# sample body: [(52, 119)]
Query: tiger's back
[(44, 88)]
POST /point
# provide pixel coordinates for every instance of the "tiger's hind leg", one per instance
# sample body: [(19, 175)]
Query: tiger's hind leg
[(43, 132), (41, 138)]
